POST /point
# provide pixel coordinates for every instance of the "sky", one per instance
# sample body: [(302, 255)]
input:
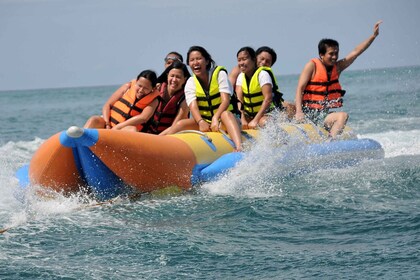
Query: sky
[(61, 43)]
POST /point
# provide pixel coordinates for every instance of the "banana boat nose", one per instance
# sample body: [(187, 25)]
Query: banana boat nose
[(76, 136), (75, 131)]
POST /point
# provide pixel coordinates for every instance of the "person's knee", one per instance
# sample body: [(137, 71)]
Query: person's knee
[(226, 114), (93, 122), (177, 125), (343, 117), (337, 117), (182, 125)]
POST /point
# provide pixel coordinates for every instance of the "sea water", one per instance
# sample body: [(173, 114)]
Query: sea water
[(360, 222)]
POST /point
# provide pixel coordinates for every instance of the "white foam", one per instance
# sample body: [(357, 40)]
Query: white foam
[(14, 155), (256, 175), (259, 173), (397, 142)]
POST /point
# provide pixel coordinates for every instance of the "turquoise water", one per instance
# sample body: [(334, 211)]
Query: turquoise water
[(255, 223)]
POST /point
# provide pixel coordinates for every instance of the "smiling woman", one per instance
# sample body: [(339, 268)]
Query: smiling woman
[(208, 96), (172, 106), (131, 106)]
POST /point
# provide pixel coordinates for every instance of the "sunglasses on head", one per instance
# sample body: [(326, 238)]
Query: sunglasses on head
[(174, 58)]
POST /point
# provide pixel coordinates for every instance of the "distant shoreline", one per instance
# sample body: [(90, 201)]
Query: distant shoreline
[(117, 85)]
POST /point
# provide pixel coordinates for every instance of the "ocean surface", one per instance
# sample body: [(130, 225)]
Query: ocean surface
[(360, 222)]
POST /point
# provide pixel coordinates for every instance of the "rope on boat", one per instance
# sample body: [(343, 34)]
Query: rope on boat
[(4, 230)]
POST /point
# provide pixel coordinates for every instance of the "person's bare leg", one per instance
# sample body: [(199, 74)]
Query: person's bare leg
[(184, 124), (232, 127), (95, 122), (262, 121), (131, 128), (335, 122), (290, 109)]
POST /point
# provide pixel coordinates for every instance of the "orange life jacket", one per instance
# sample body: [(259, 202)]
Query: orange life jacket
[(323, 92), (129, 106)]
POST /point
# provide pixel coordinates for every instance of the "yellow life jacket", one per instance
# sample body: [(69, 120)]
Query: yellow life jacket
[(252, 92), (129, 106), (208, 98)]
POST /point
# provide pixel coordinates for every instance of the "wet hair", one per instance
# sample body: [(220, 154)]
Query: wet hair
[(204, 53), (176, 54), (270, 51), (150, 75), (180, 66), (324, 43), (250, 51)]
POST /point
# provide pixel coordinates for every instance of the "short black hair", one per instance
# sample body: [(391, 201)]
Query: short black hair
[(270, 51), (324, 43), (149, 75)]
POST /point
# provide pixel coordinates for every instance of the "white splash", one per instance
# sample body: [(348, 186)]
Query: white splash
[(397, 143)]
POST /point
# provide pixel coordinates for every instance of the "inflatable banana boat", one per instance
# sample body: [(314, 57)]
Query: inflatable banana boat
[(109, 163)]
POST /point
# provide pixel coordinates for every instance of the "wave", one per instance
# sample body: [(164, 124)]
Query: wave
[(379, 124), (397, 142)]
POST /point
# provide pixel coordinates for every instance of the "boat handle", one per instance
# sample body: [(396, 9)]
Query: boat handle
[(196, 132), (224, 133)]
